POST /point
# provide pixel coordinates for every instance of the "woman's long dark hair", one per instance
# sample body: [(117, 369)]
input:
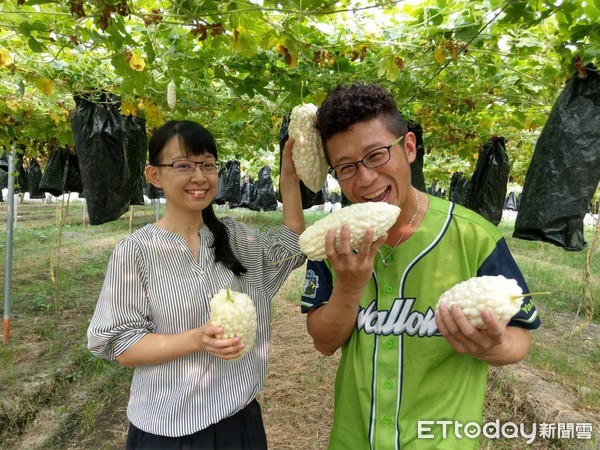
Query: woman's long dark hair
[(196, 140)]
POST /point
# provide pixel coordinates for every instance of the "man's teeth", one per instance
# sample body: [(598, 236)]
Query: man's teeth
[(379, 192)]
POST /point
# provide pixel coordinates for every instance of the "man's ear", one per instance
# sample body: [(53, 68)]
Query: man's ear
[(410, 146), (153, 176)]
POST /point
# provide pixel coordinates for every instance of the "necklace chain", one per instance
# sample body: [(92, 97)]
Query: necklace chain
[(384, 259)]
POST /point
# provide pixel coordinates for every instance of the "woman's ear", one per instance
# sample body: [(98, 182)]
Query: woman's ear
[(153, 176)]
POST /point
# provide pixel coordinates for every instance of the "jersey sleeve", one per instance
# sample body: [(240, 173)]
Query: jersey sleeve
[(318, 285), (501, 262)]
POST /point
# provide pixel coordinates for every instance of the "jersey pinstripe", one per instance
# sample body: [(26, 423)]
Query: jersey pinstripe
[(396, 369), (154, 285)]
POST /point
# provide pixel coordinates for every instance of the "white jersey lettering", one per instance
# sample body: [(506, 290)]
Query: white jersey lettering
[(399, 319)]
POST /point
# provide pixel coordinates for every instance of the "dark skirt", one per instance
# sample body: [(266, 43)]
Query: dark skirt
[(244, 430)]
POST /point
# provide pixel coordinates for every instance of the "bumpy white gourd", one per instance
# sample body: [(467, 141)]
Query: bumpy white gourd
[(500, 295), (308, 156), (235, 312), (171, 94), (377, 216)]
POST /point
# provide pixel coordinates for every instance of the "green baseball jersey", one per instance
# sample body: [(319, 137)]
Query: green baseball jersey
[(399, 383)]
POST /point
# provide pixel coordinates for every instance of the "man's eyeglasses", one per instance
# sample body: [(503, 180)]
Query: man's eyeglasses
[(187, 167), (375, 158)]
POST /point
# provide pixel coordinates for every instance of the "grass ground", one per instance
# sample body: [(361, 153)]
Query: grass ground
[(55, 395)]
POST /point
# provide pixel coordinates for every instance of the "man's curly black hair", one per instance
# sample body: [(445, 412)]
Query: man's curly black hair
[(347, 105)]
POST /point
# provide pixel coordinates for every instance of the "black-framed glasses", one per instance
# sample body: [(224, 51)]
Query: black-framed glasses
[(187, 166), (375, 158)]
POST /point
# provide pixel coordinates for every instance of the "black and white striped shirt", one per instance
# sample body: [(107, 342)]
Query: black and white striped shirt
[(154, 285)]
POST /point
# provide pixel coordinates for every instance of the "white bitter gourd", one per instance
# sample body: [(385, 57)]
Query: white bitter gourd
[(171, 94), (236, 313), (378, 216), (500, 295), (308, 156)]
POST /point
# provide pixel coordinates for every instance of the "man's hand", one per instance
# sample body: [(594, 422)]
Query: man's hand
[(496, 345)]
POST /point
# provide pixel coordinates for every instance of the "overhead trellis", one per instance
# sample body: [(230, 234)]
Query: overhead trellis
[(238, 66)]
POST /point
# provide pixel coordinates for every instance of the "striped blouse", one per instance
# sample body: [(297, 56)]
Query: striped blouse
[(154, 285)]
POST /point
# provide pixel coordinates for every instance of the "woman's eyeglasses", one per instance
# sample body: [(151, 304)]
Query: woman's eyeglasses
[(187, 166)]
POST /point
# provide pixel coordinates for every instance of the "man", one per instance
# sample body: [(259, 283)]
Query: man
[(403, 367)]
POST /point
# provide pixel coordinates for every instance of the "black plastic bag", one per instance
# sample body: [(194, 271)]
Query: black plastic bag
[(459, 187), (135, 141), (21, 183), (565, 168), (72, 174), (53, 178), (231, 189), (97, 129), (487, 188), (264, 198), (325, 192), (34, 176), (153, 192), (222, 181), (330, 191), (309, 198), (247, 194), (3, 171), (436, 190), (511, 203), (416, 168)]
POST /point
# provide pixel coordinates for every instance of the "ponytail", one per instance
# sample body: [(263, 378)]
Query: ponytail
[(223, 252)]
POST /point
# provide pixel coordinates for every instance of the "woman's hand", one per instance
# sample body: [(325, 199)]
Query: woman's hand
[(289, 188), (229, 348), (288, 170)]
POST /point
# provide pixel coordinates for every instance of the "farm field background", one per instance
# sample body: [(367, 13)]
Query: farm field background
[(55, 395)]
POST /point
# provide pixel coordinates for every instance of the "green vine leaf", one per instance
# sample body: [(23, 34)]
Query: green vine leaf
[(239, 66)]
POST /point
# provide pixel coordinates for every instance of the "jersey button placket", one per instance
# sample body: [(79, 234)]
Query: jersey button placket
[(386, 395)]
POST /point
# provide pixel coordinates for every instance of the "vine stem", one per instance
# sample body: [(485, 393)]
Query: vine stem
[(586, 282), (55, 258)]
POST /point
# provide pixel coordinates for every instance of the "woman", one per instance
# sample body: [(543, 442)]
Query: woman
[(188, 388)]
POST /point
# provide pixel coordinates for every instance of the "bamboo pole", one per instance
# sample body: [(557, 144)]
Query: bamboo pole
[(130, 218), (84, 214)]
